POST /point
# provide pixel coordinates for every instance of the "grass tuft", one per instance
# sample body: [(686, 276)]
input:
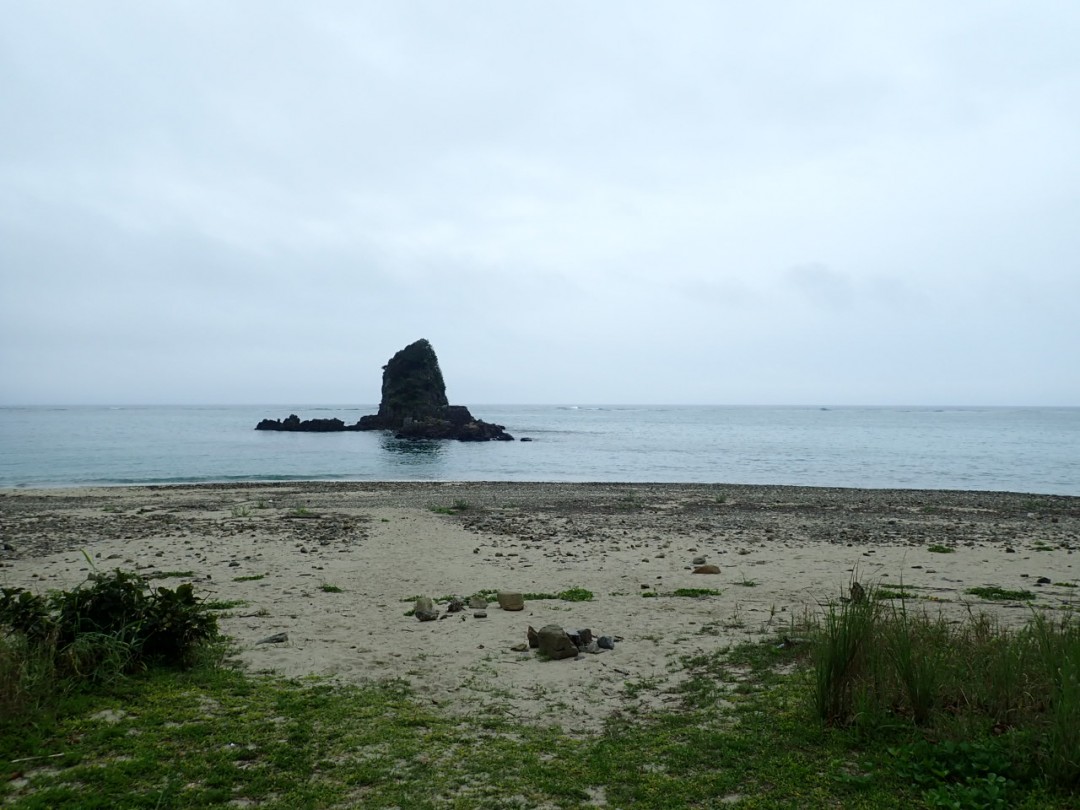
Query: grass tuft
[(996, 594)]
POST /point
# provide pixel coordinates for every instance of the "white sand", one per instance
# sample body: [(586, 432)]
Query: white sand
[(381, 544)]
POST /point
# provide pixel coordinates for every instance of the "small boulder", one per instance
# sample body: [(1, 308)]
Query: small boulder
[(555, 644), (698, 561), (477, 602), (457, 604), (511, 600), (534, 639), (425, 609), (605, 643), (707, 569)]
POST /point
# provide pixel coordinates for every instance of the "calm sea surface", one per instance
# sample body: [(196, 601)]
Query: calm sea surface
[(1016, 449)]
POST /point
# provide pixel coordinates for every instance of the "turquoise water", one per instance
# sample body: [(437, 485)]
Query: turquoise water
[(1016, 449)]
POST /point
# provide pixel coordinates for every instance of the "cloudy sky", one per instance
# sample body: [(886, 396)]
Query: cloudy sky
[(602, 202)]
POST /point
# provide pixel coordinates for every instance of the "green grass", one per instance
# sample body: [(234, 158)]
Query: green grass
[(327, 588), (171, 575), (251, 578), (994, 593), (456, 508), (937, 548), (695, 592), (939, 714)]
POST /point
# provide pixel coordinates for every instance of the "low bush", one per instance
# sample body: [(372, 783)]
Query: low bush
[(112, 624)]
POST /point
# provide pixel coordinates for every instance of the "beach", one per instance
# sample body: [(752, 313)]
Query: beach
[(337, 567)]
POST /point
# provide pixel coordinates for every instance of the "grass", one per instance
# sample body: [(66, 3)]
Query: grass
[(327, 588), (695, 592), (994, 593), (456, 508), (250, 578), (937, 548), (980, 687), (958, 715), (171, 575)]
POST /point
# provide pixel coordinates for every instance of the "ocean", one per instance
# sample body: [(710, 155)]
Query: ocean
[(1034, 450)]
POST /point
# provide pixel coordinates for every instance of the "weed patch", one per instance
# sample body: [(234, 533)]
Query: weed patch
[(996, 594)]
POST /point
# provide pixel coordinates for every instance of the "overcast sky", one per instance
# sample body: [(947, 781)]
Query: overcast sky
[(601, 202)]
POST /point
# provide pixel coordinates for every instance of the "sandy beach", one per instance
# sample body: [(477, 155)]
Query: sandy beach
[(337, 567)]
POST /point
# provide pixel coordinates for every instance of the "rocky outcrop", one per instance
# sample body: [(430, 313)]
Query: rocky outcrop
[(305, 426), (413, 405)]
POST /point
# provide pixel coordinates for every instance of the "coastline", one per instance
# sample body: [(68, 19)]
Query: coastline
[(781, 551)]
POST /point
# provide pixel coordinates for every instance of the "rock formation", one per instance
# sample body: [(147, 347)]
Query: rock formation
[(413, 406)]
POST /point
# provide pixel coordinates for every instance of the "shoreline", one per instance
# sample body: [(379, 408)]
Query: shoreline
[(281, 551)]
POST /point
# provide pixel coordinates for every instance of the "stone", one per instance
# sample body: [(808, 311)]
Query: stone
[(698, 561), (277, 638), (511, 600), (457, 604), (477, 602), (1043, 581), (522, 647), (555, 644), (534, 639), (479, 614), (425, 609), (707, 569), (413, 405), (605, 643)]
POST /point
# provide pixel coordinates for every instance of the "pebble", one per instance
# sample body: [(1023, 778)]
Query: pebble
[(479, 614)]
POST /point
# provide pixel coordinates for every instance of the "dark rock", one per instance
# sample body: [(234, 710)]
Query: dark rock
[(1042, 581), (707, 569), (606, 643), (457, 604), (858, 593), (413, 405), (277, 638), (698, 561), (555, 644), (425, 609), (524, 439), (479, 614), (293, 423), (534, 639)]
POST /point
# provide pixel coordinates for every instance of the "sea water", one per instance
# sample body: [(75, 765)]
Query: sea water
[(1012, 449)]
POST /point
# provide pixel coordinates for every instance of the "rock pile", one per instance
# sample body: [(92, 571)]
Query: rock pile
[(553, 642)]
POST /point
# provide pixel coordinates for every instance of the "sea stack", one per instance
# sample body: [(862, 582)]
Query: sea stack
[(413, 406)]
